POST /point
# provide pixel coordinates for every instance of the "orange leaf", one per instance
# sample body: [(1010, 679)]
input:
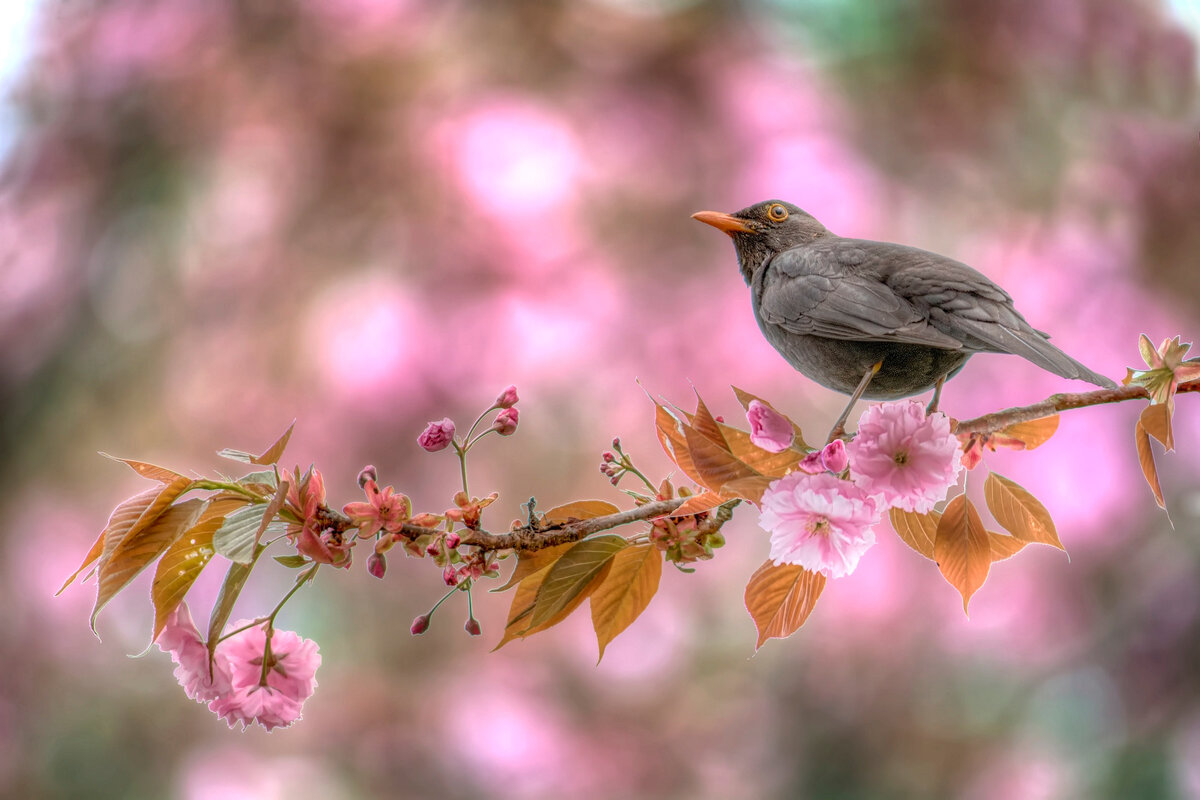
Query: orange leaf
[(572, 574), (780, 598), (525, 601), (1033, 433), (961, 547), (745, 397), (715, 467), (631, 583), (699, 503), (673, 440), (122, 519), (1019, 512), (773, 465), (580, 509), (186, 558), (139, 549), (531, 561), (1156, 419), (751, 488), (151, 471), (269, 456), (1146, 458), (704, 423), (918, 531), (1004, 546)]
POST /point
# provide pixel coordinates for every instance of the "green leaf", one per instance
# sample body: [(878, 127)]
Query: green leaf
[(139, 550), (293, 561), (235, 579), (572, 573), (531, 561), (265, 477), (238, 535)]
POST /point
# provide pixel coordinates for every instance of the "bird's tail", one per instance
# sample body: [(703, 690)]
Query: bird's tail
[(1031, 345)]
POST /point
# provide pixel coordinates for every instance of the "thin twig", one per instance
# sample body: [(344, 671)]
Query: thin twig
[(998, 420)]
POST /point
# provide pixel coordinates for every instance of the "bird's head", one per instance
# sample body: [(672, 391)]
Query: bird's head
[(761, 231)]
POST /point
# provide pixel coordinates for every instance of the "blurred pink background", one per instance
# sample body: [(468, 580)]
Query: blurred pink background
[(217, 217)]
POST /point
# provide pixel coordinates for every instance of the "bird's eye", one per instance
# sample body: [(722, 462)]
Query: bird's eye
[(777, 213)]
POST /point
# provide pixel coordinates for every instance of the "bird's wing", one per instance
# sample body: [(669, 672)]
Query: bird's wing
[(824, 291)]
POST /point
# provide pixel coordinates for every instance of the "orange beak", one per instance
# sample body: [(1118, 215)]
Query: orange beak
[(723, 222)]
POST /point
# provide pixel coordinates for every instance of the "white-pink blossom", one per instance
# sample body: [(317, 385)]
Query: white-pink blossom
[(820, 522), (269, 689), (908, 459), (180, 638), (769, 429)]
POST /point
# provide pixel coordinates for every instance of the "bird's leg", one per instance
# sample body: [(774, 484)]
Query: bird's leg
[(839, 428), (937, 395)]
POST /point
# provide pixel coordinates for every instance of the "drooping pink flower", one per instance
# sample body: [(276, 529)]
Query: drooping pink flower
[(832, 457), (905, 457), (384, 510), (505, 423), (437, 435), (180, 638), (769, 429), (507, 398), (267, 687), (820, 522)]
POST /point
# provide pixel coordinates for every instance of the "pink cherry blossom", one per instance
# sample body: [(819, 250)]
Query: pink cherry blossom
[(820, 522), (507, 398), (181, 639), (384, 510), (267, 687), (769, 429), (505, 423), (437, 435), (910, 460)]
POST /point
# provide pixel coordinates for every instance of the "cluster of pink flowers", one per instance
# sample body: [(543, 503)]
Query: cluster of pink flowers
[(899, 458), (247, 681), (313, 537)]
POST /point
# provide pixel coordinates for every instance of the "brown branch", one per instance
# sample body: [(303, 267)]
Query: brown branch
[(534, 538), (998, 420)]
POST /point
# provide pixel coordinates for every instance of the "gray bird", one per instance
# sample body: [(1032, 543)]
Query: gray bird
[(874, 319)]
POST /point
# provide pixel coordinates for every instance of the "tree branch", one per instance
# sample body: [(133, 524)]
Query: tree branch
[(998, 420)]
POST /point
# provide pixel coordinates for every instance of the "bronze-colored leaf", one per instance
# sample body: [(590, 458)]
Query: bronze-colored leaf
[(1033, 433), (138, 550), (235, 580), (1156, 419), (1146, 459), (531, 561), (572, 573), (120, 521), (525, 601), (1019, 512), (704, 424), (186, 559), (918, 531), (580, 509), (146, 470), (269, 456), (631, 583), (1004, 546), (699, 503), (715, 466), (773, 465), (780, 598), (745, 397), (674, 443), (961, 547), (750, 488)]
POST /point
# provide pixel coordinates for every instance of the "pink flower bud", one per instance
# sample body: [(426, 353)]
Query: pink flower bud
[(769, 429), (507, 398), (432, 549), (376, 564), (472, 627), (367, 474), (449, 576), (437, 435), (616, 443), (505, 423), (453, 540), (419, 625), (608, 456), (834, 457)]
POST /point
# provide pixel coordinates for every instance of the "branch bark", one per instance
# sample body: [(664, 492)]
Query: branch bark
[(998, 420)]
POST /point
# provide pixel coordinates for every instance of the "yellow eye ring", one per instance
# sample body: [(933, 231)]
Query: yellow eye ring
[(777, 213)]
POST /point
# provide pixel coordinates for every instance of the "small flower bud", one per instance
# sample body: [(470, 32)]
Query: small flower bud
[(367, 474), (834, 457), (433, 549), (609, 456), (616, 443), (719, 418), (615, 480), (419, 625), (505, 423), (472, 626), (507, 398), (453, 540), (450, 576), (376, 564), (437, 435)]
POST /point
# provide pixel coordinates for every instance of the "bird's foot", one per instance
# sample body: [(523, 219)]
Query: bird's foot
[(937, 395)]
